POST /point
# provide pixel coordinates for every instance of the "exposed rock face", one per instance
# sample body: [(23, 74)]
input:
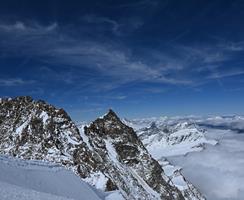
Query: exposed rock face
[(130, 165), (107, 150), (35, 130)]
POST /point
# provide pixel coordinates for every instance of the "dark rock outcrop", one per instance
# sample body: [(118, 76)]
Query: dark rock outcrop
[(131, 167)]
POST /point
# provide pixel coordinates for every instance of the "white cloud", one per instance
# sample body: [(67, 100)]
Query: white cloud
[(102, 20), (232, 46), (223, 74), (14, 82), (117, 27), (114, 63), (218, 170), (111, 61), (118, 97), (13, 27), (32, 28)]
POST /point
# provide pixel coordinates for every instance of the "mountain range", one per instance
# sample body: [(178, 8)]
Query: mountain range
[(111, 154)]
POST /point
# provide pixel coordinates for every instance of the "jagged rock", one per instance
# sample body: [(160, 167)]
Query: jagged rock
[(107, 150), (131, 167), (35, 130)]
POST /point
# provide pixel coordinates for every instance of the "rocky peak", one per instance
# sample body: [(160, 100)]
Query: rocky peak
[(148, 131), (110, 125), (131, 167), (111, 115), (110, 120)]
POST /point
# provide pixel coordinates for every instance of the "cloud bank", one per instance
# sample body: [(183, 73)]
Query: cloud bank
[(218, 170)]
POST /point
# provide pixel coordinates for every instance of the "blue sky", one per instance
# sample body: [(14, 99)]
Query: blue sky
[(142, 58)]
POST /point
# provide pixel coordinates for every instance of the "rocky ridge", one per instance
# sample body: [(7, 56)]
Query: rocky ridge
[(129, 161), (107, 150)]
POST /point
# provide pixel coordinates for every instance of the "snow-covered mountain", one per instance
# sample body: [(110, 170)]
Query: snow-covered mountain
[(232, 122), (107, 154), (212, 168), (164, 138)]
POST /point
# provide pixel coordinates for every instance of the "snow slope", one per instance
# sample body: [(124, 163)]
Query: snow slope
[(28, 180)]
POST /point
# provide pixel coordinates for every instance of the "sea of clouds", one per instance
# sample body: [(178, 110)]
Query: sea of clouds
[(218, 171)]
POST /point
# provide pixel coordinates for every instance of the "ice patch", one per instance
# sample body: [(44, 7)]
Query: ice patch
[(20, 129), (98, 180), (44, 116)]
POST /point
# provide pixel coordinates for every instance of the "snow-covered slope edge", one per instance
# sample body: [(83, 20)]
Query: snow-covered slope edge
[(28, 180)]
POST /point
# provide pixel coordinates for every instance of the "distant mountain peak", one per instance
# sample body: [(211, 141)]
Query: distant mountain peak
[(154, 126)]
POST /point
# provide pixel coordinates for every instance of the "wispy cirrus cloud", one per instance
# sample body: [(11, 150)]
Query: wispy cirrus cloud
[(118, 28), (116, 63), (224, 74), (32, 28), (14, 82), (94, 19), (233, 46), (111, 64)]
